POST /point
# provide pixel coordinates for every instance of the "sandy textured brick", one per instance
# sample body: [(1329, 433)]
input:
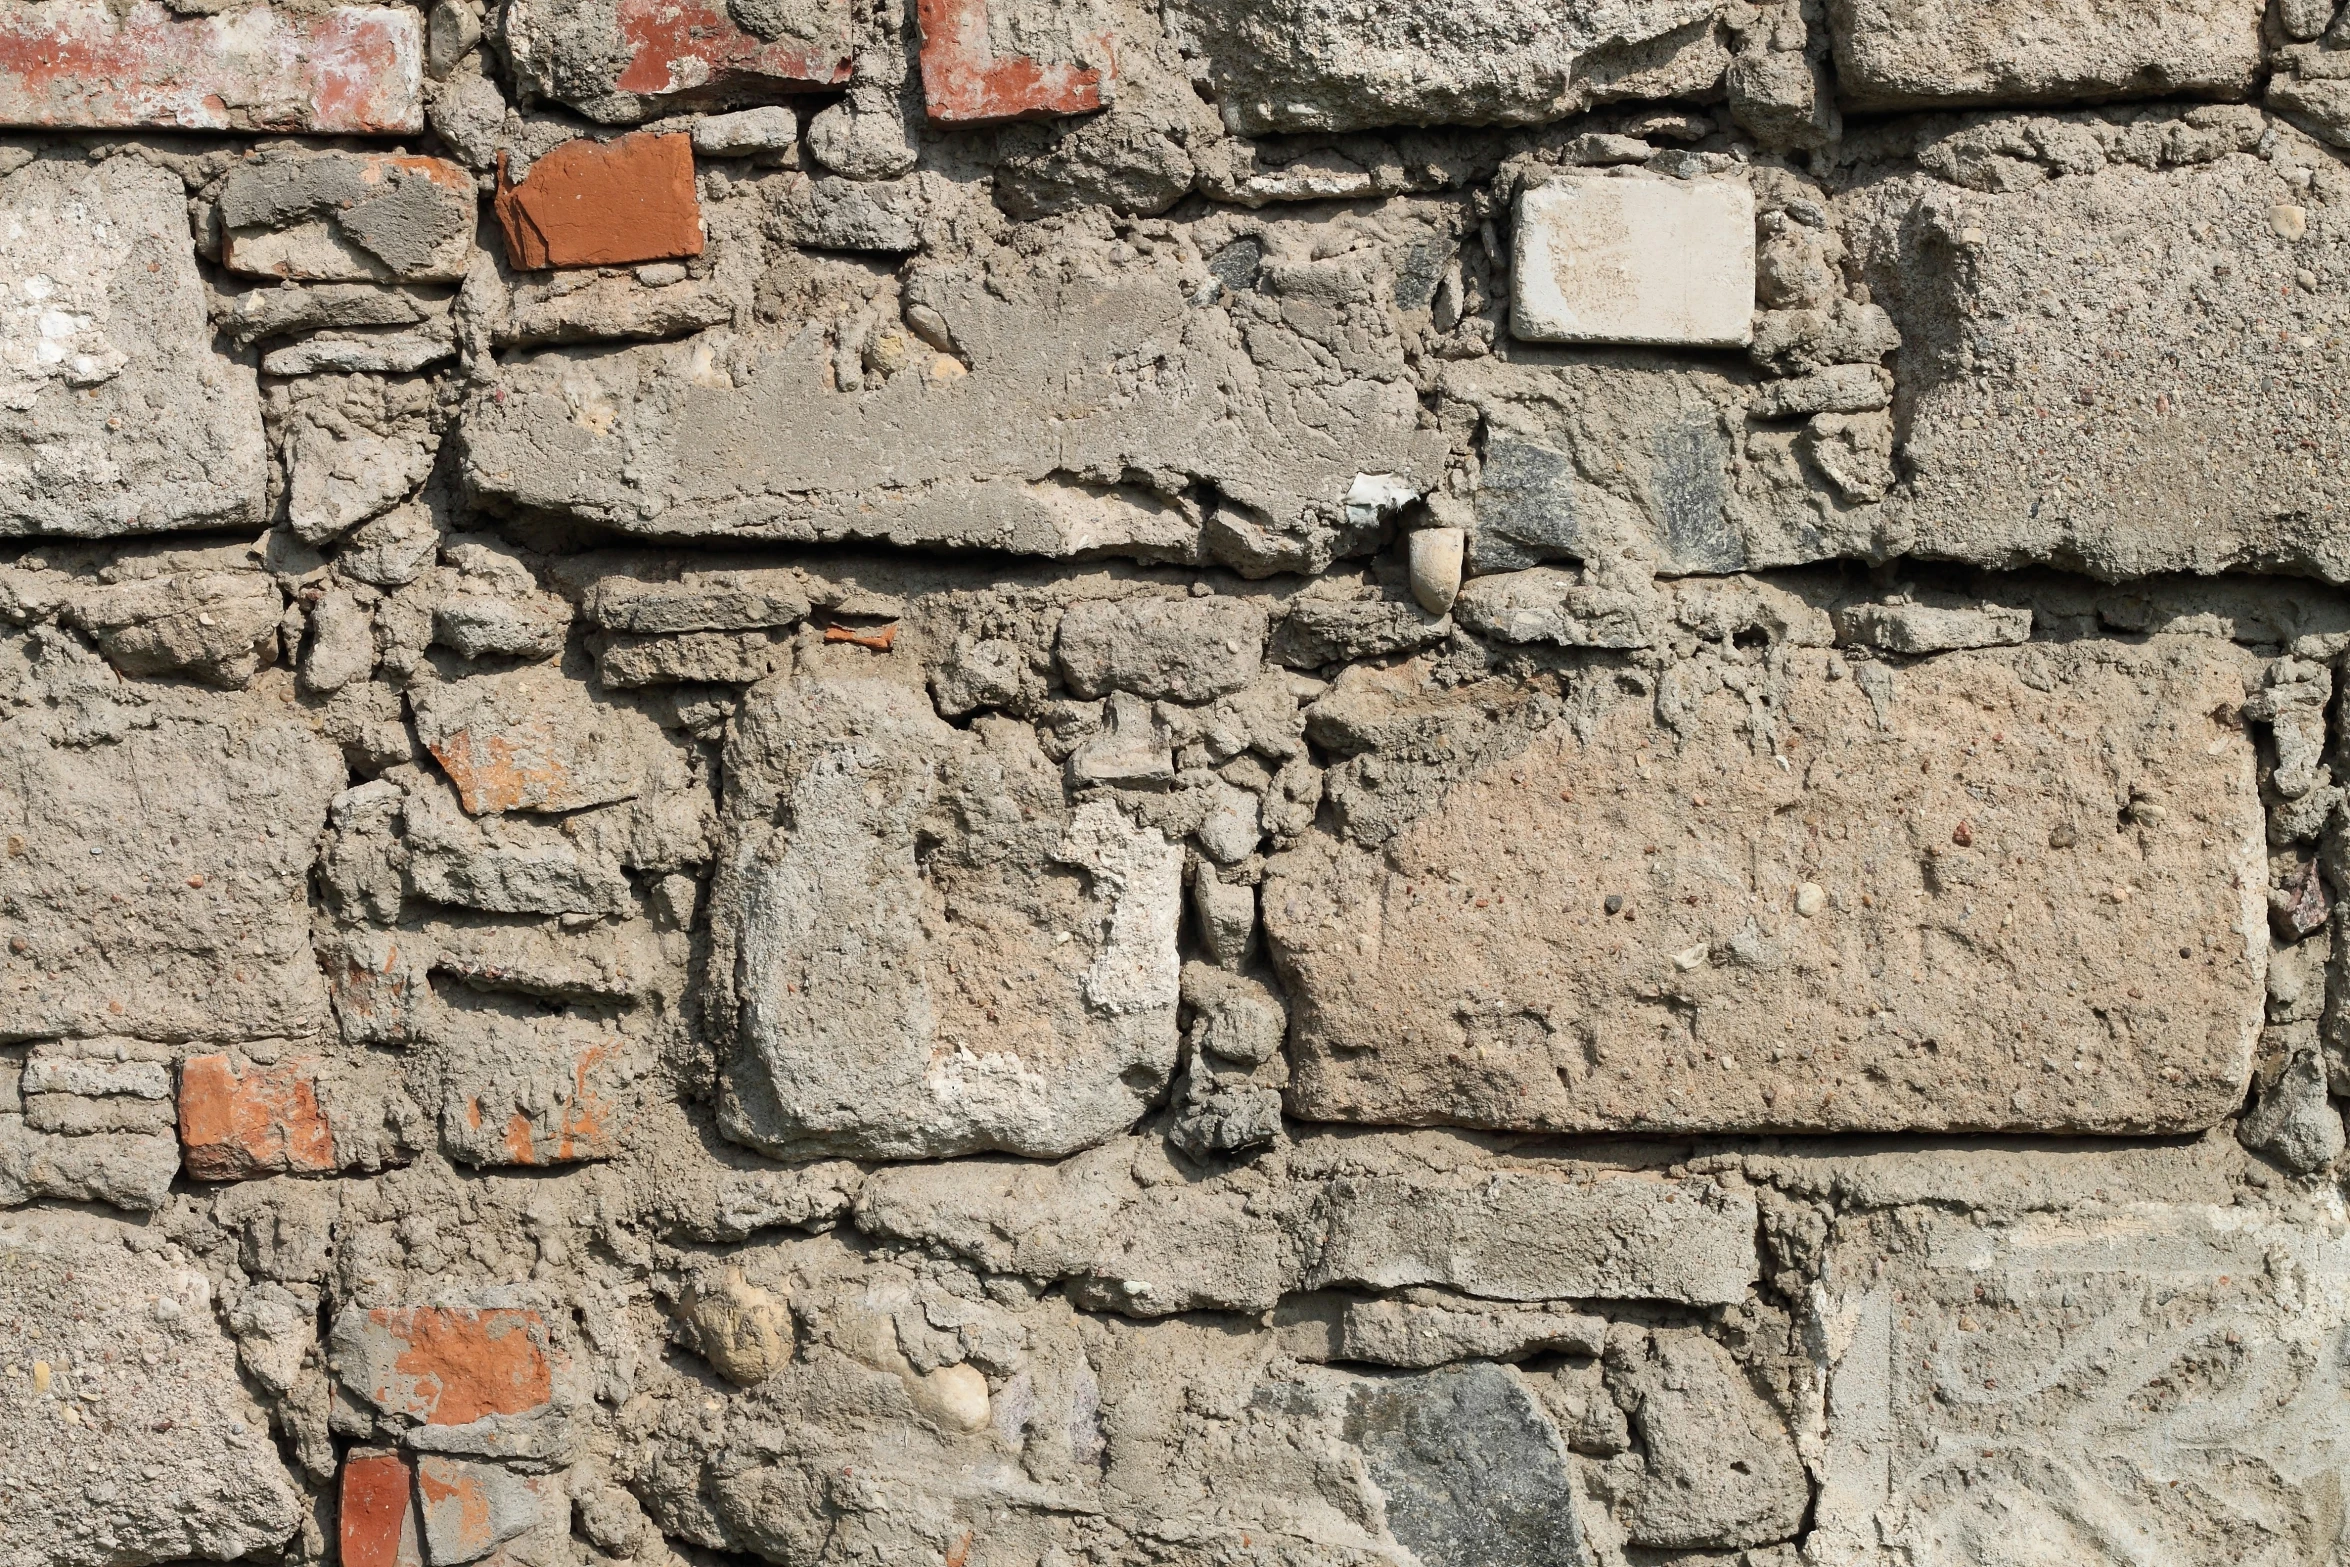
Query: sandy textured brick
[(596, 203), (332, 71), (1602, 260), (862, 987), (177, 1448), (239, 1123), (2032, 875), (445, 1366), (2156, 1373), (965, 81), (117, 412), (471, 1509), (1933, 53)]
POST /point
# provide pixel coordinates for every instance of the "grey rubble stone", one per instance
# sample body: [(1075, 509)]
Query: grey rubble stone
[(1548, 605), (276, 312), (1313, 632), (1939, 53), (690, 657), (392, 551), (348, 217), (2292, 1120), (699, 601), (506, 864), (2010, 891), (738, 135), (117, 414), (971, 460), (2042, 449), (1839, 389), (1722, 1469), (169, 1456), (527, 739), (339, 475), (1944, 1337), (1314, 65), (861, 976), (1415, 1336), (159, 879), (363, 352), (1473, 1473), (1521, 1236), (1143, 1251), (1183, 649), (1932, 628), (218, 626)]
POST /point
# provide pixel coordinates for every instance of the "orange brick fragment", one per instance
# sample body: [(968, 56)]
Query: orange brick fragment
[(377, 1518), (602, 204), (965, 83), (879, 638), (235, 1125)]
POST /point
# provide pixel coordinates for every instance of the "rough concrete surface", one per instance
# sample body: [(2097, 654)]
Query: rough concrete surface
[(1084, 783)]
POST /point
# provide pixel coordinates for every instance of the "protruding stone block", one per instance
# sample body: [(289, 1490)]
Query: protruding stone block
[(886, 875), (2039, 877), (333, 71), (602, 204), (1939, 53), (1602, 259)]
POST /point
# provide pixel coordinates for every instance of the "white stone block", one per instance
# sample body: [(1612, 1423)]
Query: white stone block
[(1606, 259)]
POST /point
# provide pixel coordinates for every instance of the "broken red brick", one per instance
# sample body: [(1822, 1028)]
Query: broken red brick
[(877, 638), (351, 70), (377, 1520), (449, 1366), (583, 1126), (691, 51), (602, 204), (263, 1121), (965, 83)]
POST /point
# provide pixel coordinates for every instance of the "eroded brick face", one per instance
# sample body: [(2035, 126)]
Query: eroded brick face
[(446, 1366), (237, 1123), (376, 1519), (965, 82), (338, 71), (589, 204), (689, 49)]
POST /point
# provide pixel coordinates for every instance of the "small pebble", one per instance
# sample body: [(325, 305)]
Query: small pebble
[(1615, 903), (1810, 898), (1689, 957)]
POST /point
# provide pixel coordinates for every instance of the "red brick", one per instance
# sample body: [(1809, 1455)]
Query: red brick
[(965, 83), (235, 1125), (691, 51), (449, 1366), (584, 1126), (354, 70), (377, 1523), (603, 204)]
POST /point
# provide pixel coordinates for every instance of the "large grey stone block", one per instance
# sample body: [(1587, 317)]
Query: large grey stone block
[(126, 1434), (2117, 371), (2014, 889), (117, 414), (1932, 53), (921, 948)]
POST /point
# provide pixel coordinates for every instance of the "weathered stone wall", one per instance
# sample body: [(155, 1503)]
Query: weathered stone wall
[(1078, 783)]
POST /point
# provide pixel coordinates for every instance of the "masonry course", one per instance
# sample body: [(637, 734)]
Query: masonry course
[(1066, 783)]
